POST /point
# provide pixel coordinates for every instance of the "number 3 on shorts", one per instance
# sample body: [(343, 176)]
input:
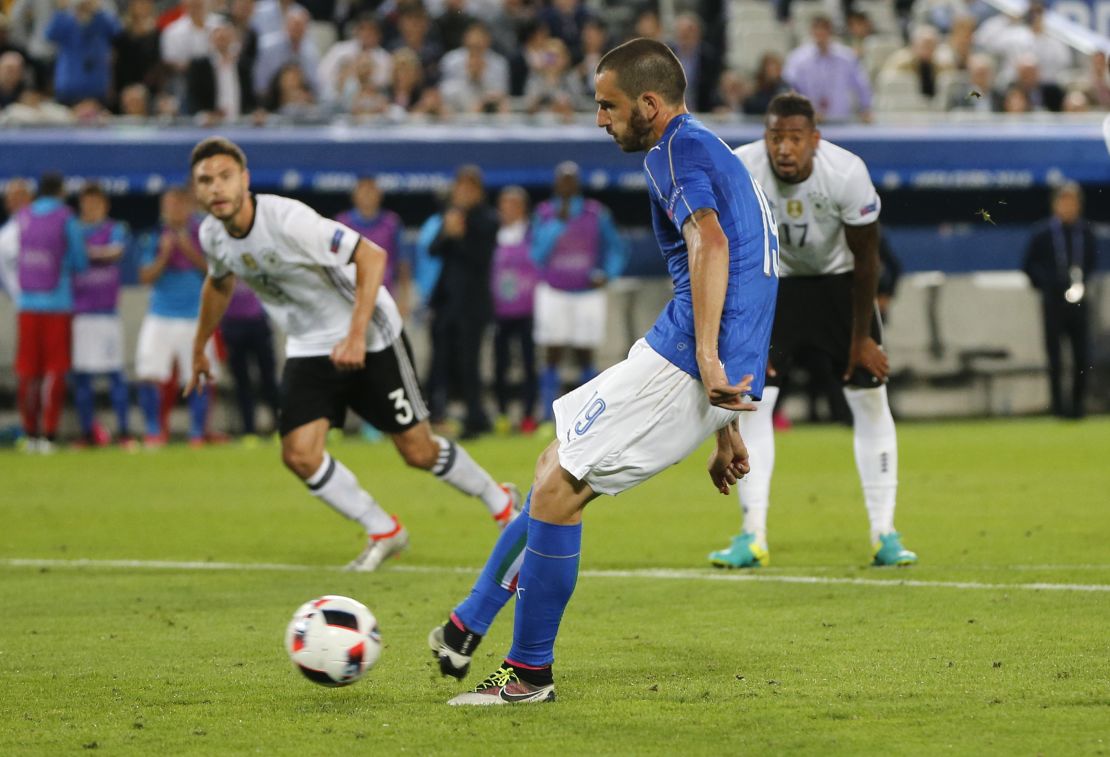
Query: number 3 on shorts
[(402, 406)]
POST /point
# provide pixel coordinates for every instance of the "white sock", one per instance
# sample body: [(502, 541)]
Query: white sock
[(457, 468), (334, 483), (876, 444), (758, 432)]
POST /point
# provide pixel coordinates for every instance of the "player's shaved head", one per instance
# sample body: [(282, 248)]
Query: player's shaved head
[(213, 146), (646, 65)]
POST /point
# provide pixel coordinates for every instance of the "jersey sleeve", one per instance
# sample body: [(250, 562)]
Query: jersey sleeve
[(311, 238), (691, 180), (217, 269), (859, 202)]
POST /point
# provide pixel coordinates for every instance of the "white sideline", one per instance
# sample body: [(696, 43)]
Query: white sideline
[(650, 573)]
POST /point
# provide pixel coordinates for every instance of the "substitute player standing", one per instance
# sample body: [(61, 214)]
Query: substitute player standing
[(688, 379), (828, 214), (321, 283)]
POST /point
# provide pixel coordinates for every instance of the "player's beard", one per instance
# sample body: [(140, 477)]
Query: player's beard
[(234, 204), (638, 136)]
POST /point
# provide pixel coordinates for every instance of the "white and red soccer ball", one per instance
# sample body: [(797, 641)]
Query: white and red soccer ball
[(333, 640)]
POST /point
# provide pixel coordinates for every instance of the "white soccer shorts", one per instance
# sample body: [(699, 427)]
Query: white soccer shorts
[(569, 319), (164, 341), (635, 419), (97, 343)]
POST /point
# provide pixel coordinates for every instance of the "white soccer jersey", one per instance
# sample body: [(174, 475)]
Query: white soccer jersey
[(299, 264), (812, 214)]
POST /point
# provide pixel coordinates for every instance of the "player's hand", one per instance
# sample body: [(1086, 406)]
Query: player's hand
[(454, 223), (868, 355), (350, 354), (202, 374), (166, 244), (729, 462), (723, 394)]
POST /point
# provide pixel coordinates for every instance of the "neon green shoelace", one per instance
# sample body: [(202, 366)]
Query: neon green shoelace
[(500, 678)]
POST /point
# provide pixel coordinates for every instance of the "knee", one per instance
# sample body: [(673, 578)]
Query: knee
[(869, 406), (302, 461)]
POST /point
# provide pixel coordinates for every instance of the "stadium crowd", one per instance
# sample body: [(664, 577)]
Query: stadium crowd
[(217, 61)]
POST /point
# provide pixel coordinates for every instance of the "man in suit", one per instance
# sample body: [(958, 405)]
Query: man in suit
[(1059, 262), (461, 302), (220, 85)]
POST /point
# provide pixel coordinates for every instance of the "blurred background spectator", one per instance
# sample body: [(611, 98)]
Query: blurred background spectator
[(475, 78), (768, 83), (513, 285), (250, 357), (461, 301), (97, 326), (289, 46), (138, 57), (407, 92), (1059, 261), (829, 74), (699, 59), (83, 37), (365, 40), (218, 86), (13, 78)]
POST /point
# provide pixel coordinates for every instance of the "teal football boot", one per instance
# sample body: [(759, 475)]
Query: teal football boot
[(889, 551), (744, 552)]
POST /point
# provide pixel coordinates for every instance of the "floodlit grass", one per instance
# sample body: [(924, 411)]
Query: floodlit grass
[(146, 659)]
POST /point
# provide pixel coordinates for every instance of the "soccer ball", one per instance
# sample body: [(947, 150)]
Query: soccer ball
[(333, 640)]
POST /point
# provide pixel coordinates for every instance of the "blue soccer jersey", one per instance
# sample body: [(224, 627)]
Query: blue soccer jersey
[(688, 170)]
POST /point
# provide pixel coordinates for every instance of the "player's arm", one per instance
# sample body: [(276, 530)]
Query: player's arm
[(707, 247), (865, 353), (369, 260), (215, 295), (152, 271), (191, 250)]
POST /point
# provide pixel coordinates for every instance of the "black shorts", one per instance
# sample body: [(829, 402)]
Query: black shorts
[(814, 313), (383, 392)]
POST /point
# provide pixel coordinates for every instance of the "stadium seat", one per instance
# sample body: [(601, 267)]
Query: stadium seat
[(876, 51), (746, 11), (751, 43), (897, 92)]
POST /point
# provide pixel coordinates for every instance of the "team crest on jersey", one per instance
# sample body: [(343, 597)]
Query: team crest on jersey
[(820, 203), (794, 208), (249, 261)]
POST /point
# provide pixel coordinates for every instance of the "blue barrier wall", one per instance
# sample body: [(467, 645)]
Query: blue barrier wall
[(421, 158)]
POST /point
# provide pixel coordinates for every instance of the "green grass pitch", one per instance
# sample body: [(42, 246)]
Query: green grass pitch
[(997, 643)]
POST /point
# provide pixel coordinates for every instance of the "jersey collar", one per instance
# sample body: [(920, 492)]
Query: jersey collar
[(674, 125)]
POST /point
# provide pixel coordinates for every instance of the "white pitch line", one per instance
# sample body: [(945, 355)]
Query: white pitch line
[(653, 574)]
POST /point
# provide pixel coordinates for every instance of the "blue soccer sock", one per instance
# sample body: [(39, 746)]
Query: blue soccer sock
[(198, 413), (547, 578), (497, 582), (150, 399), (549, 391), (121, 401), (84, 402)]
